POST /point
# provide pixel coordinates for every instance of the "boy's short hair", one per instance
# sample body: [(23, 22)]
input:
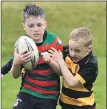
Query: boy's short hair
[(81, 33), (32, 10)]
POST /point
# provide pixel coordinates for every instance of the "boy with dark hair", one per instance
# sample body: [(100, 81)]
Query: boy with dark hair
[(40, 87), (79, 70)]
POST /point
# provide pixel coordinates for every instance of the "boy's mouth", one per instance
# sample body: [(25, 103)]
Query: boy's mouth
[(75, 59), (36, 35)]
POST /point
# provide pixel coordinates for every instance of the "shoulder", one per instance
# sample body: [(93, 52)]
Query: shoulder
[(92, 62), (89, 70), (53, 38), (93, 59), (89, 61), (52, 35)]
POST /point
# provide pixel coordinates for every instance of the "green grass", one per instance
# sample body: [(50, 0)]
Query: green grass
[(62, 18)]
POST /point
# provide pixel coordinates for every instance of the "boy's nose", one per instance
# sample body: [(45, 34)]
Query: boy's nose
[(36, 28), (73, 54)]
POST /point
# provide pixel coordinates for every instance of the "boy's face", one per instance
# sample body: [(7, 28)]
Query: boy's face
[(78, 50), (35, 27)]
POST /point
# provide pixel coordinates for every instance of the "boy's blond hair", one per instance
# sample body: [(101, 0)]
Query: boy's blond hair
[(81, 33)]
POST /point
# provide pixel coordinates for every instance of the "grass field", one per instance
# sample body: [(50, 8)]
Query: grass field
[(66, 16)]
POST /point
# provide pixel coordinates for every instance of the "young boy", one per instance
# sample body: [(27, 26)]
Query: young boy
[(79, 71), (40, 87)]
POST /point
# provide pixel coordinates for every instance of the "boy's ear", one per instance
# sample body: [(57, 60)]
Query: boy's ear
[(90, 48), (45, 23), (24, 26)]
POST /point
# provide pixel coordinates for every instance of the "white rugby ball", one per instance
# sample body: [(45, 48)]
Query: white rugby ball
[(26, 44)]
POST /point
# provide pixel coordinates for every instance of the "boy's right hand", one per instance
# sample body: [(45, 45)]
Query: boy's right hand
[(46, 56), (21, 58)]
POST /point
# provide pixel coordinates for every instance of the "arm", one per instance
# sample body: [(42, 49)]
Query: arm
[(67, 75), (86, 75), (16, 71), (71, 80), (18, 60), (55, 67), (6, 68), (16, 66)]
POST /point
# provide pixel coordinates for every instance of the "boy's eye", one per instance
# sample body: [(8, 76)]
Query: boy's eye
[(31, 25), (77, 51), (70, 49), (39, 25)]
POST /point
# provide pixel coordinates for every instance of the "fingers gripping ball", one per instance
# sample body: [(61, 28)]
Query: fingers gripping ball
[(25, 44)]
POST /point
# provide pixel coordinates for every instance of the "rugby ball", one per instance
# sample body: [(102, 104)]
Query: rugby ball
[(26, 44)]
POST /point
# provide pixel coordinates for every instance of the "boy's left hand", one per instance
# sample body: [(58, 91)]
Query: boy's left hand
[(1, 76), (46, 56), (56, 55)]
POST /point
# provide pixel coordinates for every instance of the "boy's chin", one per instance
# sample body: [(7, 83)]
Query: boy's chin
[(37, 40), (75, 60)]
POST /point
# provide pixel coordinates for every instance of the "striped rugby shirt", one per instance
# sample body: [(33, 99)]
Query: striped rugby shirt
[(42, 82), (86, 72)]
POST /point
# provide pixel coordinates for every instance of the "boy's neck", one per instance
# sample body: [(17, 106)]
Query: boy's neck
[(40, 41), (44, 37)]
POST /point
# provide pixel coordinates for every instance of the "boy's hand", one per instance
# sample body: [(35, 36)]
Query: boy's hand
[(21, 58), (46, 56), (56, 55), (1, 76)]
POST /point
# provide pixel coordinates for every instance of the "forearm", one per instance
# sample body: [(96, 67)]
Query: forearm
[(67, 75), (16, 71), (55, 67), (6, 68)]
